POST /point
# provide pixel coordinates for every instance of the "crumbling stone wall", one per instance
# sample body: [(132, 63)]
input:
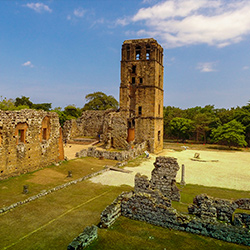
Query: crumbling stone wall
[(208, 214), (163, 179), (115, 131), (30, 139), (108, 124), (114, 155), (206, 207), (84, 239)]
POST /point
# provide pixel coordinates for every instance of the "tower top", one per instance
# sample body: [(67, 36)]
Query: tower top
[(143, 40)]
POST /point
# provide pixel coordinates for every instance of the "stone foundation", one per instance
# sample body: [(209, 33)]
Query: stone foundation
[(114, 155), (209, 216)]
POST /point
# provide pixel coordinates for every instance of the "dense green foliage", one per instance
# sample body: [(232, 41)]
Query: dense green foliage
[(208, 124), (181, 127), (231, 133), (95, 101), (201, 124), (100, 101)]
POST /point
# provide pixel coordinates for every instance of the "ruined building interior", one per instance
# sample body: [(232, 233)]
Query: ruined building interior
[(31, 139), (140, 117)]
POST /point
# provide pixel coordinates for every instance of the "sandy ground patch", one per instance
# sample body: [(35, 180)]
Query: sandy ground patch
[(71, 149), (231, 171)]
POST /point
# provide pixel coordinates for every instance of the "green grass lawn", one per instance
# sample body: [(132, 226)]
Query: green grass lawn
[(47, 178), (53, 221), (126, 234)]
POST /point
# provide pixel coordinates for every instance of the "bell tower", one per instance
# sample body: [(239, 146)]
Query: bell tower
[(141, 91)]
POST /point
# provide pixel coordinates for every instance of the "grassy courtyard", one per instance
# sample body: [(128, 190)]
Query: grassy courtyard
[(53, 221)]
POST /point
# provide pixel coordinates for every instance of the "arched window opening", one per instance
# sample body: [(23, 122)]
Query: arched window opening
[(45, 130), (140, 110), (20, 132), (128, 52), (138, 53), (133, 80), (134, 69), (141, 80), (148, 52)]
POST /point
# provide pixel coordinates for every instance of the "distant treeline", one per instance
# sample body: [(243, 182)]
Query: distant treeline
[(208, 125), (201, 124)]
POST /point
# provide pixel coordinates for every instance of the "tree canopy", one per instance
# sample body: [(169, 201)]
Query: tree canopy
[(231, 133), (181, 127), (100, 101)]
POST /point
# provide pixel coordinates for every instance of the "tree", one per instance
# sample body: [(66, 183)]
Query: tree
[(242, 115), (181, 127), (72, 112), (231, 133), (43, 106), (23, 101), (61, 114), (169, 113), (6, 104), (100, 101)]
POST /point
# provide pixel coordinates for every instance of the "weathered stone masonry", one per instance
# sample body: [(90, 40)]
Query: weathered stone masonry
[(211, 217), (140, 118), (29, 139)]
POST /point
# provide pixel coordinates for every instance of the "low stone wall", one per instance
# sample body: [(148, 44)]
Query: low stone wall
[(144, 207), (114, 155), (84, 239), (113, 211), (210, 216), (46, 192)]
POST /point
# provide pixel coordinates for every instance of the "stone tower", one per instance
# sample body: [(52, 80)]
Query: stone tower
[(141, 91)]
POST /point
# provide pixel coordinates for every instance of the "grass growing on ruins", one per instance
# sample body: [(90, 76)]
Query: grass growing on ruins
[(128, 234), (53, 221), (11, 189)]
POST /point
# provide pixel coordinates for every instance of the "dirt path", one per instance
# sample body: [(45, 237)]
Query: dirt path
[(71, 149), (231, 171)]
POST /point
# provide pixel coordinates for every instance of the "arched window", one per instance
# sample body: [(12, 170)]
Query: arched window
[(147, 52), (138, 53), (20, 132), (134, 69), (128, 52), (45, 130)]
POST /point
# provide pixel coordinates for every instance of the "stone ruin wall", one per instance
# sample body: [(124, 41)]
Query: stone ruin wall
[(30, 139), (110, 125), (124, 155), (209, 216)]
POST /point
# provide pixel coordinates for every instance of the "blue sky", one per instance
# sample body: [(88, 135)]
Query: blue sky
[(60, 50)]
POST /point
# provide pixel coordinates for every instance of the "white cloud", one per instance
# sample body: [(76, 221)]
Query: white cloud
[(186, 22), (79, 12), (245, 67), (206, 66), (28, 64), (38, 7)]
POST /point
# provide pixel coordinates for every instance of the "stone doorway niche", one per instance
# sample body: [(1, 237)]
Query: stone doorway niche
[(131, 131)]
